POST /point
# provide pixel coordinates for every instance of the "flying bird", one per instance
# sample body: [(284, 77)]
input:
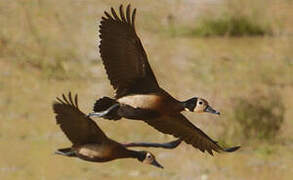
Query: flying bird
[(90, 143), (137, 93)]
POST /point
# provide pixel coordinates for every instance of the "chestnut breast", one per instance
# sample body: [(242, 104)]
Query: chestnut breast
[(95, 152), (157, 102)]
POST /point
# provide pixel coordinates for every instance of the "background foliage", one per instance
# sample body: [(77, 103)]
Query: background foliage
[(236, 54)]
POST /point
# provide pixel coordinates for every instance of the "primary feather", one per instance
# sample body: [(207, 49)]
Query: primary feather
[(79, 128), (123, 55)]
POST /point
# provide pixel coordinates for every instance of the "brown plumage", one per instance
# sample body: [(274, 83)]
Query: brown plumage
[(138, 95), (123, 55), (180, 127), (90, 142), (78, 128)]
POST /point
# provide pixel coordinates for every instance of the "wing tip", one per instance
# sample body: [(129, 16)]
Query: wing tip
[(232, 149), (67, 100), (175, 143), (121, 17)]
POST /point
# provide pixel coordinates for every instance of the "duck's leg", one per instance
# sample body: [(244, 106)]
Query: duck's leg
[(167, 145), (66, 152), (106, 113)]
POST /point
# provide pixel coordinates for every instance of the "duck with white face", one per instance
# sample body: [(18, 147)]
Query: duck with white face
[(138, 95), (90, 143), (198, 105), (148, 158)]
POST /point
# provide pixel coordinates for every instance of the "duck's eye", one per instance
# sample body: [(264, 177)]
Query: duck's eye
[(200, 102), (149, 156)]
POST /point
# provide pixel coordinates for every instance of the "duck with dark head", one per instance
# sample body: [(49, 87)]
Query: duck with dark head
[(90, 143), (198, 105), (138, 94)]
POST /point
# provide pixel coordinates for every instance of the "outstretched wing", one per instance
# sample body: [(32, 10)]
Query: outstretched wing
[(183, 129), (123, 55), (78, 128), (167, 145)]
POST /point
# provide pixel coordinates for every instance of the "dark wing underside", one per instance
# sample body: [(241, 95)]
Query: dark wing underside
[(79, 128), (123, 55), (167, 145), (180, 127)]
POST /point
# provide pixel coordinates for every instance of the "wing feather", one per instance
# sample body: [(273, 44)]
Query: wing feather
[(123, 55), (78, 128), (128, 14), (180, 127)]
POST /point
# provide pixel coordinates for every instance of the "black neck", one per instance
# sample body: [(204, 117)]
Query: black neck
[(190, 103)]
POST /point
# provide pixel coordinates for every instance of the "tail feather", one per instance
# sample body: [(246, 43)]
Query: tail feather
[(103, 104)]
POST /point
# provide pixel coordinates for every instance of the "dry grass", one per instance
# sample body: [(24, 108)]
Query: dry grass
[(49, 47), (259, 116), (230, 18)]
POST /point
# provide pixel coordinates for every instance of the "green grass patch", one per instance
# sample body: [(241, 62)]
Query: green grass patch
[(230, 26), (260, 116), (232, 18)]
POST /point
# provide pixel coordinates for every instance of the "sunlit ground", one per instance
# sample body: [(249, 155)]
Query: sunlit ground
[(220, 69)]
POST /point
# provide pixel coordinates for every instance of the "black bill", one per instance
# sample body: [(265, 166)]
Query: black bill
[(155, 163), (209, 109)]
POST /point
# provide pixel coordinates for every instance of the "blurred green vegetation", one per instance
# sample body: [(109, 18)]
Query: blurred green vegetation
[(232, 18), (230, 26), (259, 116), (50, 47), (225, 25)]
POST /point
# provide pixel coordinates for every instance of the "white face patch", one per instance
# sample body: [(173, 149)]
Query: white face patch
[(186, 109), (148, 158)]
